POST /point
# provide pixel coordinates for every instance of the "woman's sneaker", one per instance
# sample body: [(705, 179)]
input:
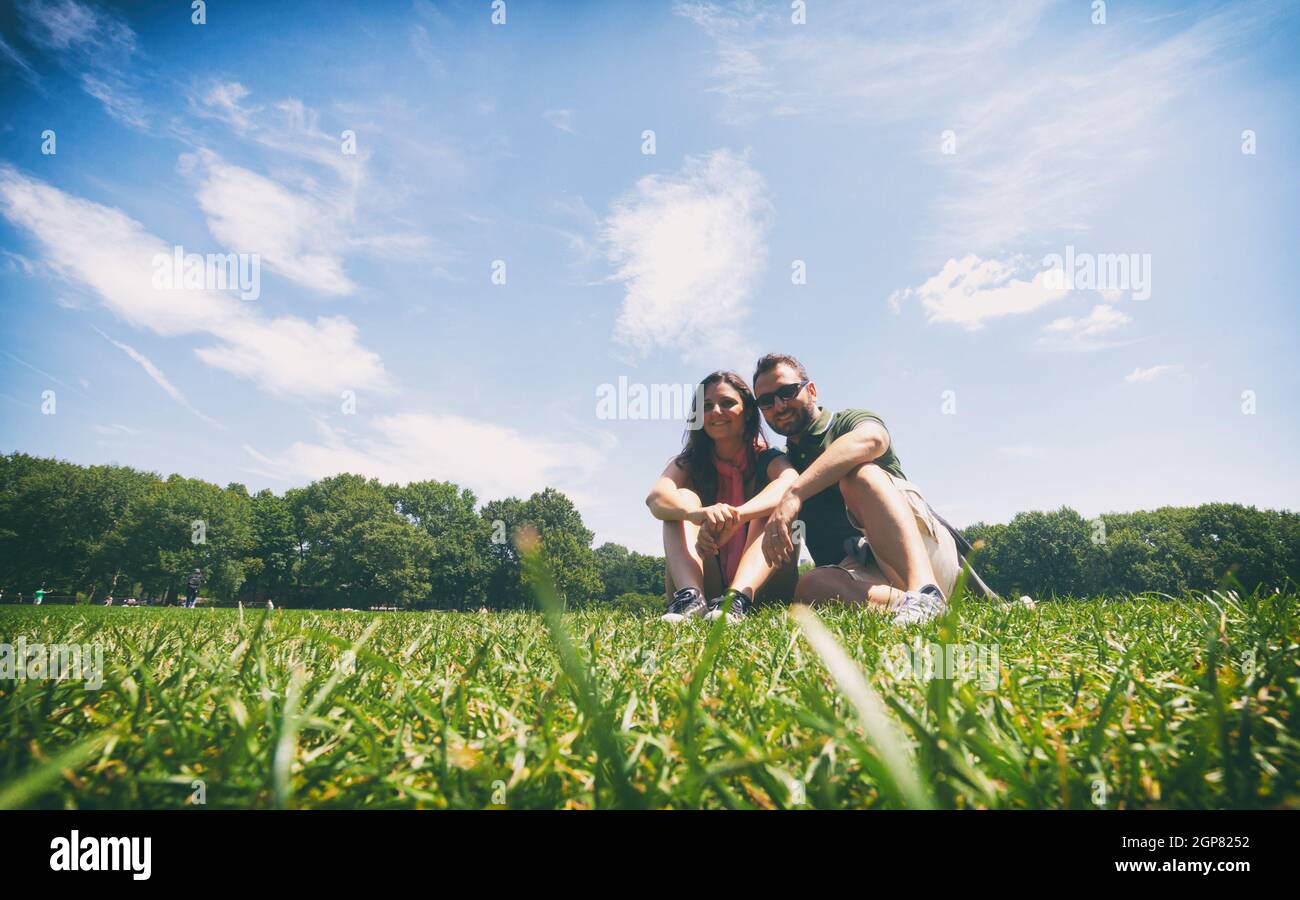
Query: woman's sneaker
[(740, 606), (685, 603), (916, 607)]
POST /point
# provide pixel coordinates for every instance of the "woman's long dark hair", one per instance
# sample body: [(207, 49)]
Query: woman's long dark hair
[(697, 450)]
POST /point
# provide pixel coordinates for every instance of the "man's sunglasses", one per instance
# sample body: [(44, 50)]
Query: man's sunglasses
[(786, 392)]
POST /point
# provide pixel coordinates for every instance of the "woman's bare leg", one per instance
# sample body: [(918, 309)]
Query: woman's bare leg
[(754, 574), (683, 565)]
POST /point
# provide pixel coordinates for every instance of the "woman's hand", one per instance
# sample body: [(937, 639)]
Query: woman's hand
[(720, 516), (711, 539), (720, 522)]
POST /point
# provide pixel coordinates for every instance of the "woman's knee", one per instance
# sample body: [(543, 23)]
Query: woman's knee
[(689, 496)]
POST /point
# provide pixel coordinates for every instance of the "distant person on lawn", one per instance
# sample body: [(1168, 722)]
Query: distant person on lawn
[(714, 498), (869, 530), (192, 585)]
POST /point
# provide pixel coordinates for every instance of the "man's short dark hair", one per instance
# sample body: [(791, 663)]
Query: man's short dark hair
[(772, 360)]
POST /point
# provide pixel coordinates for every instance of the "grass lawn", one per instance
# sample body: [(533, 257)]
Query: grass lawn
[(1118, 703)]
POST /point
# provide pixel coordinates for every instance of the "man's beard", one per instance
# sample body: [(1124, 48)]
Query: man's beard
[(797, 425)]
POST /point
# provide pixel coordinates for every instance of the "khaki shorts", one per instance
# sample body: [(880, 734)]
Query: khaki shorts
[(939, 544)]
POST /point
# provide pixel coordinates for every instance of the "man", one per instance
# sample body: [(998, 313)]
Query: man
[(870, 532), (192, 585), (40, 594)]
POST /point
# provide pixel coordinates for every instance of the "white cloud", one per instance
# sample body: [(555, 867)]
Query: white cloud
[(494, 461), (112, 254), (1153, 373), (314, 211), (689, 247), (1085, 332), (971, 291), (292, 233)]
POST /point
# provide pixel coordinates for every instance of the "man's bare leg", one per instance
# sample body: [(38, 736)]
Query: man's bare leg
[(889, 525), (867, 586)]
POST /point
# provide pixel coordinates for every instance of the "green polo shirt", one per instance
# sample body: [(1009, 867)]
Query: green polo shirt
[(826, 524)]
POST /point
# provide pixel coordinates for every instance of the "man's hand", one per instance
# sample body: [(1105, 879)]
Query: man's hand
[(777, 545)]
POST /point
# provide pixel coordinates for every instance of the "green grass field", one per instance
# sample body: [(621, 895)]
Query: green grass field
[(1126, 703)]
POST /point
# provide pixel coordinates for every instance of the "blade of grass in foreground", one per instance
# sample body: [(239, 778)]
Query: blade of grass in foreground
[(608, 749), (904, 782), (33, 784)]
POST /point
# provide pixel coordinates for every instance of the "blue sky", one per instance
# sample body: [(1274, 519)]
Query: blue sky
[(921, 163)]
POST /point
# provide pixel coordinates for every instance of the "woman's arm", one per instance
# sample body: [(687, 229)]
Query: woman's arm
[(780, 476), (666, 499)]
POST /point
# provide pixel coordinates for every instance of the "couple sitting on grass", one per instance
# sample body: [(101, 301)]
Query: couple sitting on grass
[(733, 507)]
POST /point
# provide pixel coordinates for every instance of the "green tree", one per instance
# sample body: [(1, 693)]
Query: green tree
[(565, 546), (460, 563), (624, 571), (356, 549), (182, 524)]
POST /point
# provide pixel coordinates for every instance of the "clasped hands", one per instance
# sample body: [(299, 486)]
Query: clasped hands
[(718, 524)]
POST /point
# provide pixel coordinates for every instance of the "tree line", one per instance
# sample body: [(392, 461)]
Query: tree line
[(350, 541), (1171, 550), (343, 541)]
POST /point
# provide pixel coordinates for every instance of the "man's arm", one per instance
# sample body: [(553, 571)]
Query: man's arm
[(867, 442)]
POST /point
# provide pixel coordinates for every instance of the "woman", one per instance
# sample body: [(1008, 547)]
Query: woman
[(714, 498)]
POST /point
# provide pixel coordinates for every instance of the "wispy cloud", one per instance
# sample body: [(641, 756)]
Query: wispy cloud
[(15, 58), (689, 247), (561, 119), (853, 58), (114, 429), (494, 460), (37, 370), (95, 44), (1154, 372), (1038, 153), (112, 254), (158, 377), (1090, 332)]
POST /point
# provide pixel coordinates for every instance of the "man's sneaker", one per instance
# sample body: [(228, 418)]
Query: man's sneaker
[(685, 603), (915, 607), (740, 606)]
